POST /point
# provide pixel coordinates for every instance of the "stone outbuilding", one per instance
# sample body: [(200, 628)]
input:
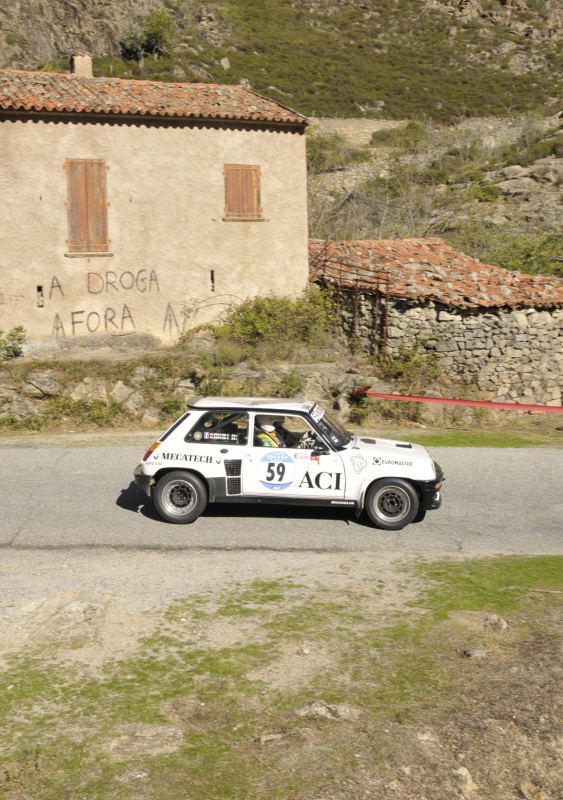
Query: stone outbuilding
[(136, 209), (500, 328)]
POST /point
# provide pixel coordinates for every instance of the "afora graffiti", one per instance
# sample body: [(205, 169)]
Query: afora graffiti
[(109, 321)]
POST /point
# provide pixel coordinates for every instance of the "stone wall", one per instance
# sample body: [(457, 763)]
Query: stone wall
[(511, 355)]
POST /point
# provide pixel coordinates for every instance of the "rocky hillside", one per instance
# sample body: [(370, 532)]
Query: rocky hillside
[(490, 187), (379, 58)]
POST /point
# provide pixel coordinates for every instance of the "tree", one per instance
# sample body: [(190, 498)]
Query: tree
[(154, 36)]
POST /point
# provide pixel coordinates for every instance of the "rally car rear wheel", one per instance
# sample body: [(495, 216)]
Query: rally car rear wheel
[(392, 503), (180, 497)]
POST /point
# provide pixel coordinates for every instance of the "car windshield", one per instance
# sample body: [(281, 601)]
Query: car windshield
[(331, 428)]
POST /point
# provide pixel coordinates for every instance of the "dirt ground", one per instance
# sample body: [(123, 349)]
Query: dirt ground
[(499, 736)]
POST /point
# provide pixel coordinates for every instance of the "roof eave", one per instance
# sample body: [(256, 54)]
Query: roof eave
[(154, 118)]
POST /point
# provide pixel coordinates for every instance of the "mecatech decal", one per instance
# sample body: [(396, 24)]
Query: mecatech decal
[(391, 461), (186, 457), (342, 503), (326, 481), (276, 471)]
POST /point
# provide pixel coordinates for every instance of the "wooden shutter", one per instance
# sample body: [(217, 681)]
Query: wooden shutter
[(87, 205), (242, 192)]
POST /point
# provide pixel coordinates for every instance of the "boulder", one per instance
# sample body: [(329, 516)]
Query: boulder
[(90, 389)]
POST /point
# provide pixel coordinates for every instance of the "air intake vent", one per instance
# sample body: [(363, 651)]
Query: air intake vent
[(233, 468), (405, 445), (368, 441), (233, 486)]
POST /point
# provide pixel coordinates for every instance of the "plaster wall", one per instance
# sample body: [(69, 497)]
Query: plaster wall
[(165, 189)]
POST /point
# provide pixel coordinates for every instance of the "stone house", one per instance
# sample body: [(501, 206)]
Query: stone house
[(502, 329), (136, 208)]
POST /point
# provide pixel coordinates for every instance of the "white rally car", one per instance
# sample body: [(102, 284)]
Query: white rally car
[(269, 450)]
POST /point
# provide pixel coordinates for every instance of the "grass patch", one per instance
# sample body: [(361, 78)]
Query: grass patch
[(499, 585), (479, 438)]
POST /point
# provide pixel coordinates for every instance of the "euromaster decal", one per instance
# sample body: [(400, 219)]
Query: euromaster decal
[(381, 462)]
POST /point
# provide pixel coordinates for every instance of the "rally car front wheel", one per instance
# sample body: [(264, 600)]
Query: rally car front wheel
[(392, 503), (180, 497)]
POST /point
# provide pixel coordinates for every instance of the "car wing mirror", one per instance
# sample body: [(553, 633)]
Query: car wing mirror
[(321, 451)]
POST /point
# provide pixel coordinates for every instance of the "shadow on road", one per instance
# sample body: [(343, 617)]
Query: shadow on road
[(133, 499)]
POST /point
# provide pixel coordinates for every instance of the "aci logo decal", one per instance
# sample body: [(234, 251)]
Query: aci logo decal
[(276, 471)]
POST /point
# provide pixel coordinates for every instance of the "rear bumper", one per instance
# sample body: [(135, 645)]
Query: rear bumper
[(142, 481)]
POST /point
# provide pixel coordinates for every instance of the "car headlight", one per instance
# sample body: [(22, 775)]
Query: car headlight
[(439, 474)]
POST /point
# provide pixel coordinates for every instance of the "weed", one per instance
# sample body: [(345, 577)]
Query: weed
[(11, 345)]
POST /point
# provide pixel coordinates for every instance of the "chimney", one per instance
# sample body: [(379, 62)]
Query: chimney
[(81, 65)]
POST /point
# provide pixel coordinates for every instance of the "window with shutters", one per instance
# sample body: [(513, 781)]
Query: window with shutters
[(87, 205), (242, 192)]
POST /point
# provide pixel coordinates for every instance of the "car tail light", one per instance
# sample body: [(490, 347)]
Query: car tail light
[(151, 450)]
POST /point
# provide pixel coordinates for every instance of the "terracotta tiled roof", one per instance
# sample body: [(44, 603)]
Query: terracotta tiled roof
[(428, 269), (46, 91)]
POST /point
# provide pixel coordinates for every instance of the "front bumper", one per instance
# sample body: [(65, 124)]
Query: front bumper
[(142, 481), (431, 491)]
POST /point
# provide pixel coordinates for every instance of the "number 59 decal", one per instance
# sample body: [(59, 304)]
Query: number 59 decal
[(276, 471)]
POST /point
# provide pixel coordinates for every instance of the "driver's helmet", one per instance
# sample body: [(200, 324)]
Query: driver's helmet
[(268, 422)]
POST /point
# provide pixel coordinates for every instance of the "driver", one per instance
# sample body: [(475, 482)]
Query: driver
[(271, 433), (268, 433)]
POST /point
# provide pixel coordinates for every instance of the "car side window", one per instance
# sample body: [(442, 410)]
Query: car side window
[(220, 427), (284, 431)]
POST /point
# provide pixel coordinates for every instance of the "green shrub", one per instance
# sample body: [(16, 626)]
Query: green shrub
[(326, 153), (173, 406), (408, 135), (530, 252), (155, 36), (543, 149), (486, 192), (288, 385), (11, 345), (412, 369), (280, 321)]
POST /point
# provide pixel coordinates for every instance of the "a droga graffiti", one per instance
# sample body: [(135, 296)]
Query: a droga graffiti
[(140, 281)]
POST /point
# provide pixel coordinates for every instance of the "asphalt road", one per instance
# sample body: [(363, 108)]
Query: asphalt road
[(495, 501)]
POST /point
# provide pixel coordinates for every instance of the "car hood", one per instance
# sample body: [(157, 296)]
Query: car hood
[(390, 448)]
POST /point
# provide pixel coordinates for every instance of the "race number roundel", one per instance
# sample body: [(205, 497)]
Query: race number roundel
[(276, 470)]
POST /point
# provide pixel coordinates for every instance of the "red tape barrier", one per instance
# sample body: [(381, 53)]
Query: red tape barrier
[(444, 401)]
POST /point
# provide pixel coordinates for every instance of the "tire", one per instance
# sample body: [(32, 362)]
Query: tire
[(392, 503), (180, 497), (420, 514)]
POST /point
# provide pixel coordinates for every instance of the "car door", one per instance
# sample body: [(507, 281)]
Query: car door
[(304, 468)]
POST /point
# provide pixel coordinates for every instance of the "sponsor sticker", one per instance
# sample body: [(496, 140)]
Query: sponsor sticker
[(390, 462), (276, 471), (359, 463), (317, 413), (186, 457)]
